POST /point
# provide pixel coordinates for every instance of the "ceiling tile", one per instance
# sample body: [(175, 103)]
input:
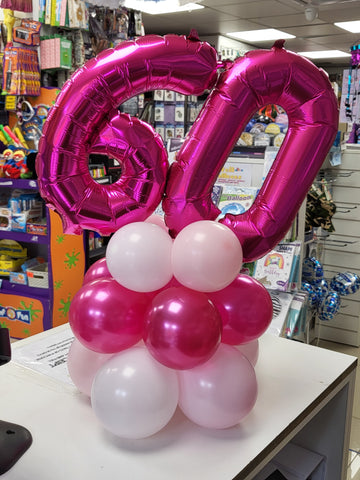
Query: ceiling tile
[(313, 30), (338, 14), (259, 9), (282, 21)]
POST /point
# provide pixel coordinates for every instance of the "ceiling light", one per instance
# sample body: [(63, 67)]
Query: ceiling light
[(154, 7), (325, 54), (260, 35), (353, 27)]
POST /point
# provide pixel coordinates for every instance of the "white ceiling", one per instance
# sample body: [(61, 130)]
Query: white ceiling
[(220, 17)]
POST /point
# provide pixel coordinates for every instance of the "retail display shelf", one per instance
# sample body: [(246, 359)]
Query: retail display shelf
[(24, 237), (97, 252), (26, 184), (15, 288)]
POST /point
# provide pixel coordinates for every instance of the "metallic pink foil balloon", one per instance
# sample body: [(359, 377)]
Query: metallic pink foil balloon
[(106, 317), (245, 308), (259, 78), (84, 120), (182, 328), (97, 270), (221, 392)]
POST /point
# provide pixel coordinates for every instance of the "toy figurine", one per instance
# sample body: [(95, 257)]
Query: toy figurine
[(15, 165)]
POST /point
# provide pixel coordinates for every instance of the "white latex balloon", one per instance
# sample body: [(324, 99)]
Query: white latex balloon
[(220, 392), (206, 256), (133, 395), (138, 256), (83, 365)]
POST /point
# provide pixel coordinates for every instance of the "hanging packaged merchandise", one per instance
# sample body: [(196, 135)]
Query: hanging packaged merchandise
[(320, 208), (21, 71), (27, 33)]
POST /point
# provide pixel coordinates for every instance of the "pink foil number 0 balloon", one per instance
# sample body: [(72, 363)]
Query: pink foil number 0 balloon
[(84, 120)]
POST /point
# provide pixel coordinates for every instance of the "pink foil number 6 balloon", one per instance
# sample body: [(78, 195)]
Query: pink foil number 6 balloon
[(84, 120)]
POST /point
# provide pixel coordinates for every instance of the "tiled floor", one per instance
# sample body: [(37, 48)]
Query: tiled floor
[(354, 454)]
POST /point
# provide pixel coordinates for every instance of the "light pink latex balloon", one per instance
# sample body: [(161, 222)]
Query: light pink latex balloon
[(106, 317), (250, 350), (83, 364), (133, 395), (221, 392), (97, 270), (157, 220), (182, 328), (138, 256), (206, 256)]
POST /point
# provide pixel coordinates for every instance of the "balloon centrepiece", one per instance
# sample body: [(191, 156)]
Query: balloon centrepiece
[(135, 297)]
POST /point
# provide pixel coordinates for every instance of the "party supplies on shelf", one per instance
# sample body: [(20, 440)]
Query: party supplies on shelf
[(236, 200), (28, 32), (55, 52), (12, 255), (274, 269), (38, 276), (21, 71)]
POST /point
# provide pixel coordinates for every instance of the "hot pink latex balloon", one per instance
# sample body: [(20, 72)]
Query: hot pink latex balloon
[(84, 121), (83, 364), (259, 78), (182, 328), (221, 392), (97, 270), (106, 317), (245, 308)]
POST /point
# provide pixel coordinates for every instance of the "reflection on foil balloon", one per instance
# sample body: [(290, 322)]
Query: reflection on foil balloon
[(84, 121), (345, 283), (259, 78), (313, 297), (312, 271), (330, 306)]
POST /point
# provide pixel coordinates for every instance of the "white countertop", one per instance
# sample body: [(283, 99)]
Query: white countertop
[(69, 442)]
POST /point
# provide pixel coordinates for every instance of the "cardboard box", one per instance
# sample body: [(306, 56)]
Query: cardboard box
[(36, 228), (18, 277)]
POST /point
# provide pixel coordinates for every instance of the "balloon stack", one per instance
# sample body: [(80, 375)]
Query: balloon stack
[(324, 296), (188, 309), (182, 298)]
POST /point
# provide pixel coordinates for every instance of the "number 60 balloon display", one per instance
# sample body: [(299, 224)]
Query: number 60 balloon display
[(84, 120)]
